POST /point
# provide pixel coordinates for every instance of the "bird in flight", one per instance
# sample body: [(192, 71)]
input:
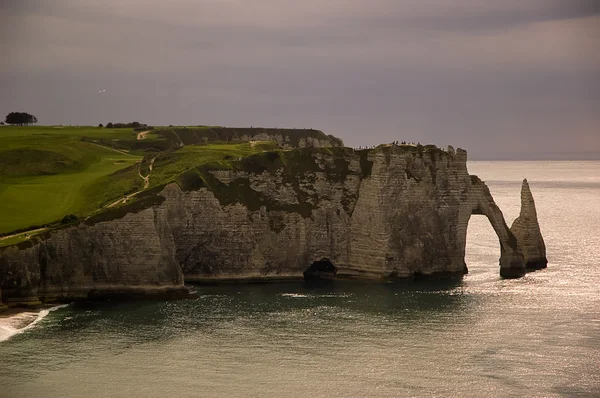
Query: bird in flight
[(102, 91)]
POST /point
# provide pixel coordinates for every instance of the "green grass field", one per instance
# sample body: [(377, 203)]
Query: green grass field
[(49, 172), (45, 172)]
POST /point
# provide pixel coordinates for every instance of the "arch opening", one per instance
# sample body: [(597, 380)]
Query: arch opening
[(321, 269), (482, 246)]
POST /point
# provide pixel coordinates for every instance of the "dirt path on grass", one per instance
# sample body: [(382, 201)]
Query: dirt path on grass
[(27, 233), (181, 144), (109, 148), (146, 184), (147, 178), (141, 135)]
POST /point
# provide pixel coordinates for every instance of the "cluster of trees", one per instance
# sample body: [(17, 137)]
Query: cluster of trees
[(134, 125), (20, 118)]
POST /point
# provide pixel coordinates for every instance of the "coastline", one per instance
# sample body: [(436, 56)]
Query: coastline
[(8, 312), (16, 320)]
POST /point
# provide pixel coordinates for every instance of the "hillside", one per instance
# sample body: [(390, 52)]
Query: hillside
[(47, 173)]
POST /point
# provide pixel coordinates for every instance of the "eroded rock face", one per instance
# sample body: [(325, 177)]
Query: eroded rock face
[(134, 255), (527, 230), (391, 212), (388, 213), (286, 142)]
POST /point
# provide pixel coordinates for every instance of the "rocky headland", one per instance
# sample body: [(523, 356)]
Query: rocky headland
[(391, 212)]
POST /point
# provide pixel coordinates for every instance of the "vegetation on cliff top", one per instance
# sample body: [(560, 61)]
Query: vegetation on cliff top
[(47, 172), (44, 174), (96, 174)]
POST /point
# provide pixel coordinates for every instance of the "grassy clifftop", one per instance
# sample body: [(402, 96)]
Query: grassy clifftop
[(54, 176), (49, 172), (288, 138)]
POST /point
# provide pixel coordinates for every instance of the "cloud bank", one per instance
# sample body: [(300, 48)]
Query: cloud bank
[(503, 79)]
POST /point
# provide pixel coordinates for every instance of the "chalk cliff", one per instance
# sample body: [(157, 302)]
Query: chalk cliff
[(527, 231), (386, 213)]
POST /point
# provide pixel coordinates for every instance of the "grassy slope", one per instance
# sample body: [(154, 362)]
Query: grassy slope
[(168, 166), (45, 171), (48, 172)]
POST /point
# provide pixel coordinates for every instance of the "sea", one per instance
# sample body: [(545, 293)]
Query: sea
[(538, 336)]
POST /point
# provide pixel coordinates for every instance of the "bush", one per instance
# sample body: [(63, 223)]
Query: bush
[(68, 219)]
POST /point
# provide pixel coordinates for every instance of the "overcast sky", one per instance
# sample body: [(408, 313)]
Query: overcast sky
[(500, 78)]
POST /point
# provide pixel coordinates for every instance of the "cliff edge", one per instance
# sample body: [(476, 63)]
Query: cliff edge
[(397, 211)]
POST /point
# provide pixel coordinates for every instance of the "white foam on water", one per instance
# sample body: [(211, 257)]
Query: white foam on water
[(300, 295), (23, 321), (294, 295)]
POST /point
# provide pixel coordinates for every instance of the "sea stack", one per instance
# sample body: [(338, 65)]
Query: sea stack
[(527, 230)]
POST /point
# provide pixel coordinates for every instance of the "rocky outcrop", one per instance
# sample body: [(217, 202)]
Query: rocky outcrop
[(387, 213), (131, 256), (288, 141), (285, 138), (527, 231)]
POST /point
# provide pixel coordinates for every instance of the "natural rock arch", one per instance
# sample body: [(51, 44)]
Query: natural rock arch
[(521, 246)]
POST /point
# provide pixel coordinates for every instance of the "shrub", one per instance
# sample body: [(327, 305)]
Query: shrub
[(68, 219)]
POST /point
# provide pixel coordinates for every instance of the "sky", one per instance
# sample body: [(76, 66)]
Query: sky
[(504, 79)]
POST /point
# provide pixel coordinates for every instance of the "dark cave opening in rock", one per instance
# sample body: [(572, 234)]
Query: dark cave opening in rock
[(321, 269)]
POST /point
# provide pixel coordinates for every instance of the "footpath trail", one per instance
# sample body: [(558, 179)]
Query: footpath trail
[(141, 135), (31, 231), (147, 178), (146, 184), (109, 148)]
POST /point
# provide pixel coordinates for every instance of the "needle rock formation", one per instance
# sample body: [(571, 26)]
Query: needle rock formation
[(527, 231)]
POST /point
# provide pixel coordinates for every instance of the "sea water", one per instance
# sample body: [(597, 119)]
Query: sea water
[(538, 336)]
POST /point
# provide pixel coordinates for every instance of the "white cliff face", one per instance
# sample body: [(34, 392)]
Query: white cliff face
[(527, 230), (284, 140), (392, 212), (387, 213), (130, 255)]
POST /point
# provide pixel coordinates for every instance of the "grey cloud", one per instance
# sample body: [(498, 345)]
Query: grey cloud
[(482, 75)]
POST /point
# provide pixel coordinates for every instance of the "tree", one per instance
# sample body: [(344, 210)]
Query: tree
[(100, 125), (109, 125), (20, 119)]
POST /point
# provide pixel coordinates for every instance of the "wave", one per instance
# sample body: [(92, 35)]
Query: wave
[(313, 295), (18, 323)]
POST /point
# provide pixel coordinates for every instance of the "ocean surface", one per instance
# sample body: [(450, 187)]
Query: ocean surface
[(538, 336)]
